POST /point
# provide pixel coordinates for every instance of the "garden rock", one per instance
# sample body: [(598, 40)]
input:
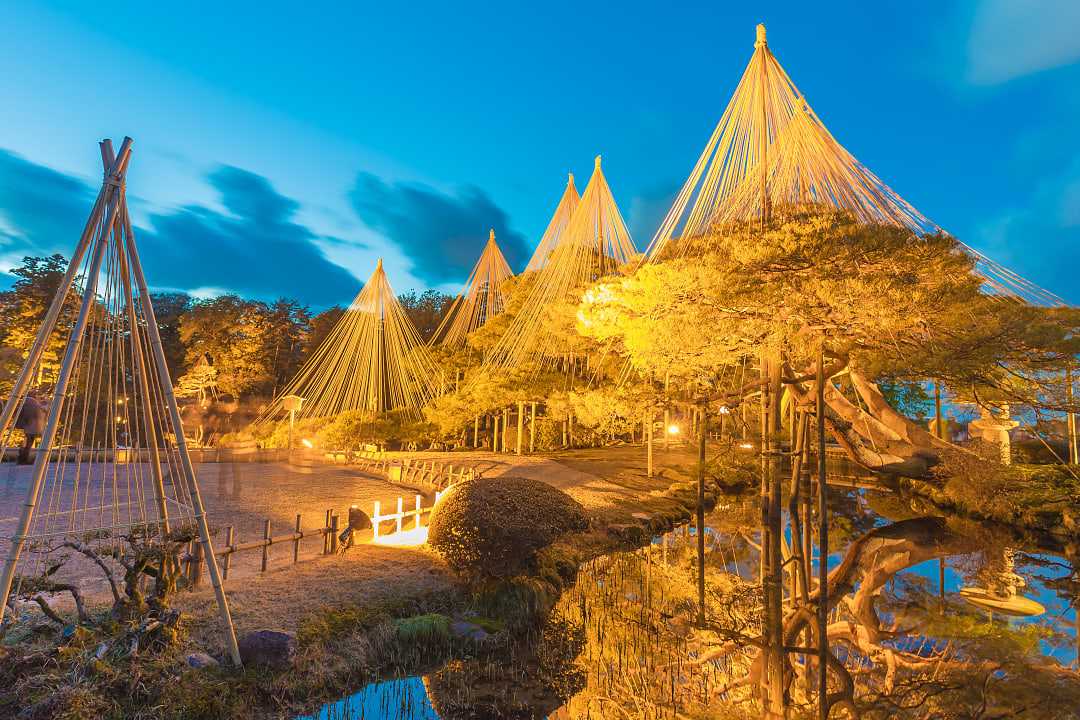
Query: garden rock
[(269, 648)]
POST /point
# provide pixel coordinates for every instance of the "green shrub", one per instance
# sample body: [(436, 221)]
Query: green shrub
[(494, 527)]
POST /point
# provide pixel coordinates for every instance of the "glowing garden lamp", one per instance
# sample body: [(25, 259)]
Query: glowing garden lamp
[(673, 430), (307, 443)]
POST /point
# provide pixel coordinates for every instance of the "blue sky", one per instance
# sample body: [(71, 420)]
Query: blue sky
[(281, 148)]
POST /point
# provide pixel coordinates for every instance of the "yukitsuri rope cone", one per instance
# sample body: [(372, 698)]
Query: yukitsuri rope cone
[(482, 300), (373, 360), (770, 152), (112, 460), (594, 243), (559, 221)]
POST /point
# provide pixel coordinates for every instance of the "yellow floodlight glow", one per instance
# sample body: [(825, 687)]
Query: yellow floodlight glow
[(724, 410), (673, 430), (307, 443), (746, 446)]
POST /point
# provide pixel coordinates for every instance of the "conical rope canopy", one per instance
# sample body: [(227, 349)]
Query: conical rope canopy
[(595, 243), (558, 224), (770, 152), (373, 360), (482, 300)]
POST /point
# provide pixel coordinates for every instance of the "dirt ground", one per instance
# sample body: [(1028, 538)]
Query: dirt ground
[(244, 495)]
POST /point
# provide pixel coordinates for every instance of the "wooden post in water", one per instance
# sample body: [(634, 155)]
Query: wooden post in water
[(1070, 418), (939, 431), (823, 542), (703, 434)]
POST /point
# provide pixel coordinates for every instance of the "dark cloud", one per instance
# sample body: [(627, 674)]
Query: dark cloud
[(42, 211), (443, 235), (255, 249)]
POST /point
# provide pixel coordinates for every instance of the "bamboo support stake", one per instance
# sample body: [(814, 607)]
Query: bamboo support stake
[(532, 427), (495, 435), (416, 525), (476, 431), (649, 444), (334, 520), (375, 521), (400, 512)]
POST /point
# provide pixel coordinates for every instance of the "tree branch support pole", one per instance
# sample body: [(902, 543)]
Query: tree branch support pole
[(649, 444), (476, 431), (823, 543), (495, 435), (520, 424), (703, 434), (532, 426)]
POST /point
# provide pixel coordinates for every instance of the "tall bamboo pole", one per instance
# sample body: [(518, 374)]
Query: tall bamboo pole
[(48, 324), (52, 423), (203, 526), (476, 431), (495, 435)]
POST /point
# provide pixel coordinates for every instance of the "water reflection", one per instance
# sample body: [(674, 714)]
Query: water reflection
[(399, 699), (907, 638)]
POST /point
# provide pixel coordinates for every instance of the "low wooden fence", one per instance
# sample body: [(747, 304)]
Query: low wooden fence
[(398, 517), (329, 532), (426, 473)]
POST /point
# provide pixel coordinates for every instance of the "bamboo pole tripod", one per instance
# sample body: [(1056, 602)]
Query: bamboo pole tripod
[(113, 397)]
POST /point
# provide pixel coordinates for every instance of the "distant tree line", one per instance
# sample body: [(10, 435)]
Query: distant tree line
[(254, 347)]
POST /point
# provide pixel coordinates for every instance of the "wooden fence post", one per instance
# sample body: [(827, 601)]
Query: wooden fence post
[(400, 513), (296, 541), (266, 544), (228, 557), (416, 526), (196, 566), (326, 534), (333, 534), (375, 522)]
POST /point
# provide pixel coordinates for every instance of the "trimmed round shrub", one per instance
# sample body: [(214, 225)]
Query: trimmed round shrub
[(493, 527)]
